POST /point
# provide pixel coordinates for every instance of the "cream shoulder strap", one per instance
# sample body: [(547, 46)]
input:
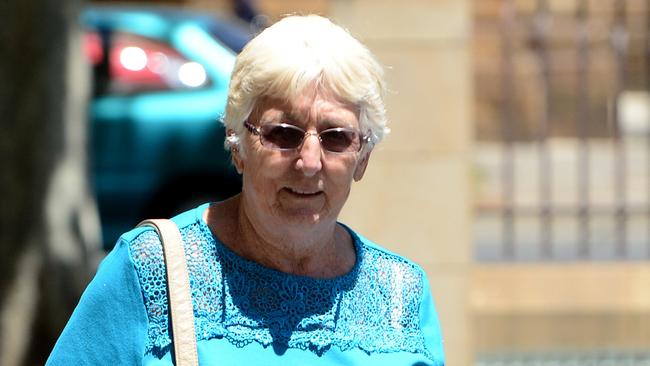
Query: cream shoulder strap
[(180, 297)]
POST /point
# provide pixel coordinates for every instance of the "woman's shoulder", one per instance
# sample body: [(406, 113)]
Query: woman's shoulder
[(390, 276), (146, 253), (182, 220), (387, 301), (143, 241), (378, 257)]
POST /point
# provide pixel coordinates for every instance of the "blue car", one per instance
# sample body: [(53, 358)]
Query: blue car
[(160, 80)]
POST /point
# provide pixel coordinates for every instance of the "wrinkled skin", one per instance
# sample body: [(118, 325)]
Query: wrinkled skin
[(290, 200)]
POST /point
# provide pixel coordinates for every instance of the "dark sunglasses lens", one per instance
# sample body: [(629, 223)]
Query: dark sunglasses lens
[(340, 140), (281, 137)]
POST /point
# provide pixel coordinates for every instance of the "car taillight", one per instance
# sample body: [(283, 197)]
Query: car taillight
[(140, 64), (139, 60), (133, 58), (92, 45)]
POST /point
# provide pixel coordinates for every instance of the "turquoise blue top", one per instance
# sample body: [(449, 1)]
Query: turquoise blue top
[(380, 313)]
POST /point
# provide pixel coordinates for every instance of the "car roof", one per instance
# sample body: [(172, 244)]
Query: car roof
[(233, 34)]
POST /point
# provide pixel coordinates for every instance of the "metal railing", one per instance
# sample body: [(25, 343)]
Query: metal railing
[(628, 68)]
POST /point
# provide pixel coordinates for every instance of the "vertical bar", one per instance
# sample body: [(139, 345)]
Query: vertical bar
[(647, 81), (583, 39), (619, 39), (647, 43), (542, 23), (508, 170)]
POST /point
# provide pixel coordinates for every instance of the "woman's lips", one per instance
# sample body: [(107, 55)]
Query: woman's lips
[(301, 192)]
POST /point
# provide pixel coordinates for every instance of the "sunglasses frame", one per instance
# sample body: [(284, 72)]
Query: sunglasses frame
[(257, 130)]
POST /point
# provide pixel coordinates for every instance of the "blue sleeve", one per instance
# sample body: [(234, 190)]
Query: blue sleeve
[(430, 325), (109, 325)]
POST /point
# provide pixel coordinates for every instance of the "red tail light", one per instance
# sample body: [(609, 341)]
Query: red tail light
[(140, 64)]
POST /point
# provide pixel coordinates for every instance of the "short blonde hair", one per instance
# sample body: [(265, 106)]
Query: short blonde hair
[(297, 52)]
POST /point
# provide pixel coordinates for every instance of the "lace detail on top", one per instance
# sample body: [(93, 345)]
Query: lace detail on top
[(375, 307)]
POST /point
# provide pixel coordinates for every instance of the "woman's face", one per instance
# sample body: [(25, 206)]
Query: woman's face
[(307, 185)]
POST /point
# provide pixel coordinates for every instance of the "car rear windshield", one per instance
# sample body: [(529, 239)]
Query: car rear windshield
[(232, 35)]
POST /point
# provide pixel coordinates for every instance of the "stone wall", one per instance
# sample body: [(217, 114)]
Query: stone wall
[(415, 198)]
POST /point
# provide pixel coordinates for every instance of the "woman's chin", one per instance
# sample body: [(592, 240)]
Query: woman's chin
[(303, 211), (307, 204), (302, 215)]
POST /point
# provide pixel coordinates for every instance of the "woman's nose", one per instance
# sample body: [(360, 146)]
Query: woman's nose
[(309, 161)]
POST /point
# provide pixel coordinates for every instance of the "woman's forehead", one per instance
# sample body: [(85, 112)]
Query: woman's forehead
[(306, 104)]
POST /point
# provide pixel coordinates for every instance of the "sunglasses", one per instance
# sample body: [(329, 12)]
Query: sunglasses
[(283, 136)]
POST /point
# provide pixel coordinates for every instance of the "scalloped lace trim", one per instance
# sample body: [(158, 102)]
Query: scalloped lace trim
[(374, 308)]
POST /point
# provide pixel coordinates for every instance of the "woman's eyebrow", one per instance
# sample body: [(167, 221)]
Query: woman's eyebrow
[(327, 121), (274, 118), (335, 122), (290, 117)]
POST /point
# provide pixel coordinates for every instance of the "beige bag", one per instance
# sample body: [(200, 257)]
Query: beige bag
[(180, 296)]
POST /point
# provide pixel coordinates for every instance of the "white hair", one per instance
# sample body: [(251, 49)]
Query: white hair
[(296, 52)]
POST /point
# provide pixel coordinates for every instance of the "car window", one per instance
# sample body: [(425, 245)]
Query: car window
[(234, 36), (124, 63)]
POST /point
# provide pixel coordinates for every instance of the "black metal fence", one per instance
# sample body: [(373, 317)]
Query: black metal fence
[(586, 70)]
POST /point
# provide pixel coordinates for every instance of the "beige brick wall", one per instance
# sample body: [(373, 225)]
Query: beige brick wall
[(415, 198), (275, 9)]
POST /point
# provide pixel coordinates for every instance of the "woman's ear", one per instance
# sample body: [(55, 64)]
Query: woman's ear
[(237, 161), (361, 167), (235, 152)]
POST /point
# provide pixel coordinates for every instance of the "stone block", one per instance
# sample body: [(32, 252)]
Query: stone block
[(560, 288), (276, 9), (418, 207), (429, 101), (522, 332), (414, 20)]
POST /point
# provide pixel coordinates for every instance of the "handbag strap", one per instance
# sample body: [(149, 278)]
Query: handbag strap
[(180, 297)]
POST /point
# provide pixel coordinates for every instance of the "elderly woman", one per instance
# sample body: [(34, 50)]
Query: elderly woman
[(275, 279)]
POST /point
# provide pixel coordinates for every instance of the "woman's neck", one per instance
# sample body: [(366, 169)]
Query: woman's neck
[(320, 251)]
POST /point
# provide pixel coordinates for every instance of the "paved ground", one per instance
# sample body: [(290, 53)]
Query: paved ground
[(600, 358)]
